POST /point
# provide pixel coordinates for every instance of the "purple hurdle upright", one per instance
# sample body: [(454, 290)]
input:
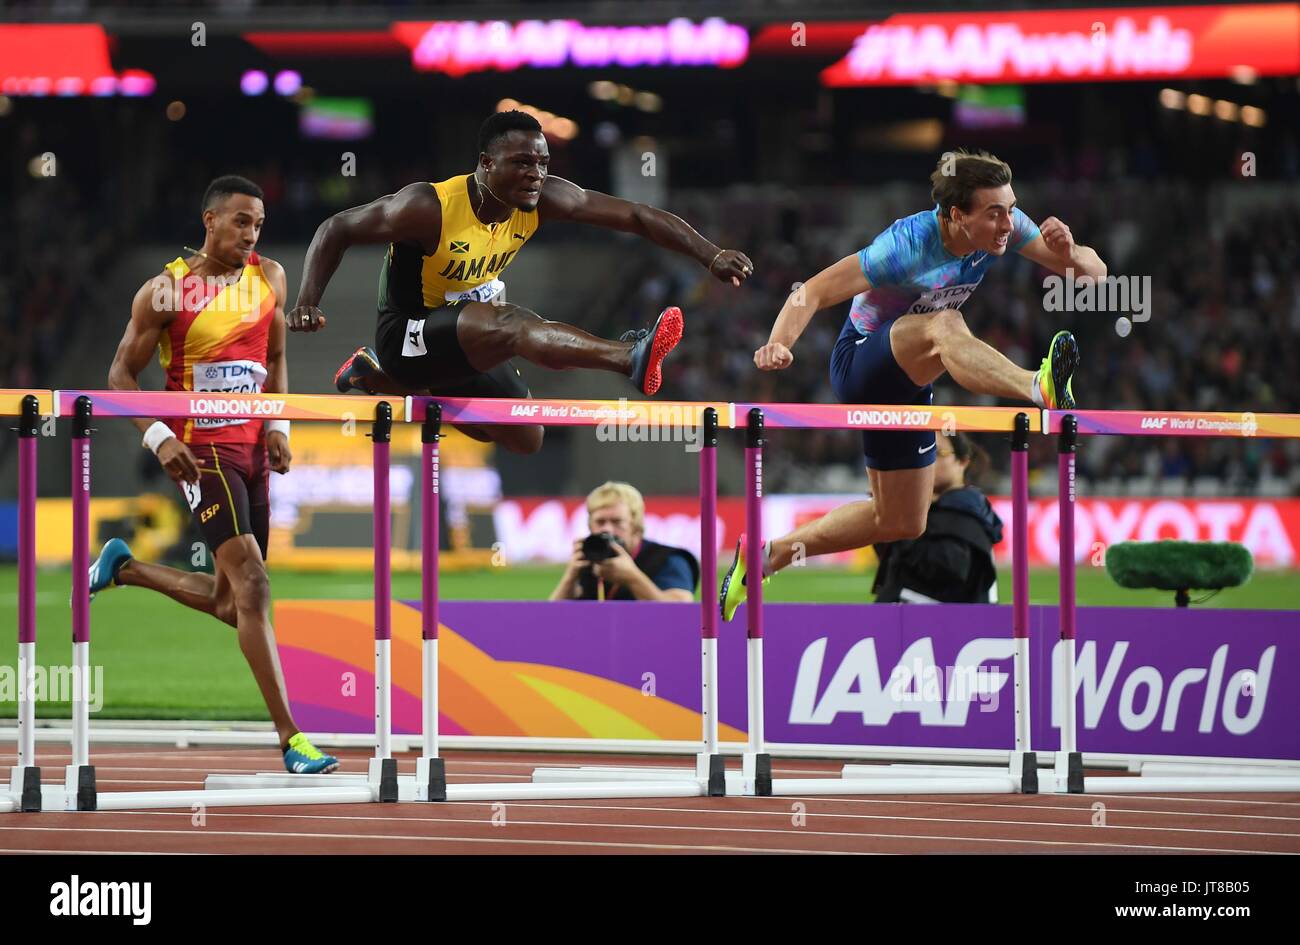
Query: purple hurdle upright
[(430, 768), (710, 765), (25, 776), (1069, 761), (80, 775), (383, 767), (1024, 762), (756, 764)]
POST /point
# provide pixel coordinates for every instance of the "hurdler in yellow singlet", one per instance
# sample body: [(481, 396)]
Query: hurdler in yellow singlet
[(464, 266)]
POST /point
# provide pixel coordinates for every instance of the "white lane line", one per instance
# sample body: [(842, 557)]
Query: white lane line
[(1066, 802), (53, 852), (1206, 800), (208, 832), (795, 831), (813, 813), (1086, 809)]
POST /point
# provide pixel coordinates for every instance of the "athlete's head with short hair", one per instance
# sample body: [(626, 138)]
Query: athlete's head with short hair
[(233, 214), (973, 191), (513, 158)]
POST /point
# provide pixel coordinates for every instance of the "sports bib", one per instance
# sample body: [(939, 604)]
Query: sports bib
[(226, 377)]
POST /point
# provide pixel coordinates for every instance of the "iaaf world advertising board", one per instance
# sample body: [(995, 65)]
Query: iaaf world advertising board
[(1148, 681), (543, 529)]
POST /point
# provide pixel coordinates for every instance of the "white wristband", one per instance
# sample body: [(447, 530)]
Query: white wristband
[(156, 436), (278, 426)]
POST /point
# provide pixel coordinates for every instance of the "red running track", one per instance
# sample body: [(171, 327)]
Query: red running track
[(1241, 823)]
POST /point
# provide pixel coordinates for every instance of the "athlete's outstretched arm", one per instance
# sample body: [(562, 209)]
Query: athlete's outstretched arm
[(831, 286), (1055, 249), (413, 213), (564, 200), (277, 364), (152, 310)]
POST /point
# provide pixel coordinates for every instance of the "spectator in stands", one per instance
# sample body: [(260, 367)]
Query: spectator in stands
[(616, 561)]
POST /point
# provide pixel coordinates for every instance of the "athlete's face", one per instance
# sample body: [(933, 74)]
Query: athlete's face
[(234, 227), (988, 224), (516, 168)]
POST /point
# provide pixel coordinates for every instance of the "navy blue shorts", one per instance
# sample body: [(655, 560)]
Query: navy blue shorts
[(863, 371)]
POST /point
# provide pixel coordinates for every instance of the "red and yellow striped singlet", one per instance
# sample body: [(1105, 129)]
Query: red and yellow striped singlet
[(217, 343)]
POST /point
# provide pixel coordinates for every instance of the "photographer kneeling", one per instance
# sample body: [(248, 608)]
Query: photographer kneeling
[(952, 561), (615, 562)]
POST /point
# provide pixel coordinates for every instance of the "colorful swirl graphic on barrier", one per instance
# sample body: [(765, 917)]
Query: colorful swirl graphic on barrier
[(327, 651)]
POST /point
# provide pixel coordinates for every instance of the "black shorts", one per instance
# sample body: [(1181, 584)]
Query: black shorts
[(422, 352), (232, 496), (864, 371)]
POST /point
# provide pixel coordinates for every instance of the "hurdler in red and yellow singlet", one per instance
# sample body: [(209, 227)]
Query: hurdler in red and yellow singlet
[(216, 318), (217, 344)]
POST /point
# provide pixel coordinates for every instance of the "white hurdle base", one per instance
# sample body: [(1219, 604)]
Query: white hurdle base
[(907, 778), (588, 774), (1155, 778), (912, 771), (199, 800), (1158, 769), (1203, 784), (929, 779), (795, 787), (408, 790)]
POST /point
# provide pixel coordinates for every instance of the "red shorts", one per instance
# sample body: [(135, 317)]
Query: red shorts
[(232, 496)]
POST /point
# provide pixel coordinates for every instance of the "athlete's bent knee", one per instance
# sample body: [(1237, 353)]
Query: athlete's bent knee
[(223, 608), (944, 324), (251, 588), (900, 527), (910, 528), (511, 319)]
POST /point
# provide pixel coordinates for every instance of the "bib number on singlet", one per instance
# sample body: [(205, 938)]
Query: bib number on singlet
[(226, 377), (953, 296), (480, 293)]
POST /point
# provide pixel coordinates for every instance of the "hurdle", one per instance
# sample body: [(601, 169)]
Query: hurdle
[(1017, 768), (710, 766), (1020, 771), (1066, 775), (1173, 774), (707, 777), (1173, 778), (429, 783), (79, 791)]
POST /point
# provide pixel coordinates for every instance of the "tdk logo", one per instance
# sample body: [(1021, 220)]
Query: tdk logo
[(214, 371)]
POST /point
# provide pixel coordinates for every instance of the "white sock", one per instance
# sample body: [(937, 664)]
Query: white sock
[(767, 559), (1036, 392)]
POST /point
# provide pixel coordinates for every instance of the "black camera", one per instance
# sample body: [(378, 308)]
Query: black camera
[(599, 546)]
